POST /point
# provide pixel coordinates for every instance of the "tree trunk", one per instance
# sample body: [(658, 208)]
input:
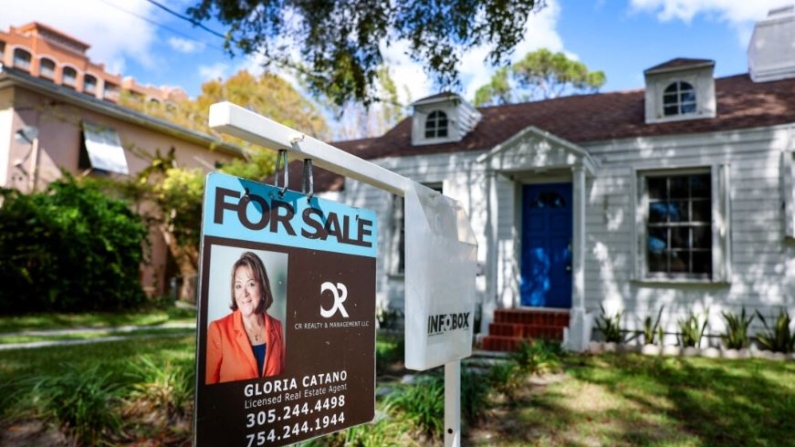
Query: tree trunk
[(187, 260)]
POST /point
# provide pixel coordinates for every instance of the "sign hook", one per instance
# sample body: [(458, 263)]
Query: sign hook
[(307, 183), (281, 164)]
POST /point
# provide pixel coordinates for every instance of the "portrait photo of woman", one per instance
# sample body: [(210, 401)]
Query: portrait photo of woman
[(248, 342)]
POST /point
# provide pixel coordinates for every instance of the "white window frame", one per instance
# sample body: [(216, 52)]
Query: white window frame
[(720, 225), (679, 104), (436, 116)]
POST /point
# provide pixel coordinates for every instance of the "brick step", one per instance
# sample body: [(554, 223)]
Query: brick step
[(526, 331), (532, 317)]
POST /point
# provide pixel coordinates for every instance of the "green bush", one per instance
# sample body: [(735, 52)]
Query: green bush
[(652, 329), (421, 404), (691, 331), (506, 378), (474, 396), (166, 389), (69, 248), (538, 357), (81, 402), (777, 338), (610, 326), (736, 335)]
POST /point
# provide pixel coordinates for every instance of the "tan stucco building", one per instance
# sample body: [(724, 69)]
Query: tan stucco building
[(59, 111)]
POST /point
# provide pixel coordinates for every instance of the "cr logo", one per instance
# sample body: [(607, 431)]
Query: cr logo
[(340, 293)]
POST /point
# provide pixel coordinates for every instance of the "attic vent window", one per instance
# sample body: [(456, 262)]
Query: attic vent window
[(679, 98), (436, 125)]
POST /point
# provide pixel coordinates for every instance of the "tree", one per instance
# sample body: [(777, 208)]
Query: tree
[(355, 120), (172, 195), (267, 94), (340, 42), (539, 75)]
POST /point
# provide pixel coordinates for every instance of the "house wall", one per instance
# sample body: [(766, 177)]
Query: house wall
[(59, 144), (763, 264), (762, 273)]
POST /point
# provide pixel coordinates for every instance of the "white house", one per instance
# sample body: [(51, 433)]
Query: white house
[(679, 195)]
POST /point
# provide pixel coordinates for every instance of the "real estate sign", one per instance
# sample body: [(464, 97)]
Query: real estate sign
[(286, 331)]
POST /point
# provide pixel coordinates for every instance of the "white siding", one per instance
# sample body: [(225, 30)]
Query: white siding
[(761, 264)]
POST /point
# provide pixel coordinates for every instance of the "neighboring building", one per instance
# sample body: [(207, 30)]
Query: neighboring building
[(680, 195), (49, 54), (58, 111)]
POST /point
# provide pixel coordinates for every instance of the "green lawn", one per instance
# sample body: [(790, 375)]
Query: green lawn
[(16, 338), (95, 320), (634, 400), (606, 400)]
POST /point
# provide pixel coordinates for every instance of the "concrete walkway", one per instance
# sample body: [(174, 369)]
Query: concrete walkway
[(111, 331)]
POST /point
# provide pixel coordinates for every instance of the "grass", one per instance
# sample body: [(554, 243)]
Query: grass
[(606, 400), (8, 339), (156, 317), (633, 400)]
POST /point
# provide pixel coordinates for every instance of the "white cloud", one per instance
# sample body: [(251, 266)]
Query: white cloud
[(219, 70), (185, 45), (736, 12), (112, 33)]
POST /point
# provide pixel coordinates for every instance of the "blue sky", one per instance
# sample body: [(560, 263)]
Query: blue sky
[(620, 37)]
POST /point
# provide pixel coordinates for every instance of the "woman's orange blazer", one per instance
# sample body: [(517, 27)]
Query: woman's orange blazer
[(229, 353)]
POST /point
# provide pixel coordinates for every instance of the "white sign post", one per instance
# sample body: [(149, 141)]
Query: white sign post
[(440, 251)]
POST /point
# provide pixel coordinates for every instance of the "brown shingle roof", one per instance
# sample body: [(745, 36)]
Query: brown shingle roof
[(741, 104), (680, 62)]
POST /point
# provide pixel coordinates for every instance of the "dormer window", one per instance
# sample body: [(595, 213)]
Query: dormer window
[(679, 90), (679, 99), (442, 118), (436, 125)]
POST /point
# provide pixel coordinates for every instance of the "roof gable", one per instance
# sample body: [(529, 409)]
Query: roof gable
[(535, 148)]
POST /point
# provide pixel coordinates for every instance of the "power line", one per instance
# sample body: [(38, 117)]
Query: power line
[(189, 19), (167, 28)]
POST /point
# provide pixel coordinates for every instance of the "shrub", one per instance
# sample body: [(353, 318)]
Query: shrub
[(736, 335), (474, 395), (777, 338), (610, 326), (422, 404), (167, 389), (652, 330), (81, 402), (691, 331), (506, 378), (538, 357), (70, 248)]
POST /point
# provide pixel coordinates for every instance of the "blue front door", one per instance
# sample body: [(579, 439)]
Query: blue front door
[(546, 245)]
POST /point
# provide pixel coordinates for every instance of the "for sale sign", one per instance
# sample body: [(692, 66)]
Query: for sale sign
[(286, 331)]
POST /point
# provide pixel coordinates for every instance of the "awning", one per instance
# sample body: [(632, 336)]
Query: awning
[(104, 148)]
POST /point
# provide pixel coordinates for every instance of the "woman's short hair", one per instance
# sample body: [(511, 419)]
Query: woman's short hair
[(253, 262)]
